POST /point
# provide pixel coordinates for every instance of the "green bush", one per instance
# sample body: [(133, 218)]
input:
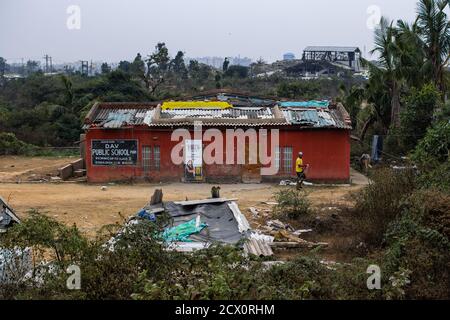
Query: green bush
[(292, 203), (418, 244), (10, 145), (378, 204), (432, 157)]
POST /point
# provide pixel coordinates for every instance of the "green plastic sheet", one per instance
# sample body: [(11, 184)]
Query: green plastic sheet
[(182, 232)]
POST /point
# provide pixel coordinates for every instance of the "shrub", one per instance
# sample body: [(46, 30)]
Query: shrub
[(292, 203), (378, 204), (10, 145), (418, 244)]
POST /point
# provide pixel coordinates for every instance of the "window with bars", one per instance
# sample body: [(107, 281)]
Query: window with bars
[(151, 158), (146, 158), (287, 159), (156, 158)]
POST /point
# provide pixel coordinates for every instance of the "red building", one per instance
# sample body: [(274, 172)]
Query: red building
[(133, 141)]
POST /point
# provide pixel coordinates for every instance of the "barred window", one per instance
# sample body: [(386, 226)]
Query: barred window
[(146, 158), (156, 158), (287, 159)]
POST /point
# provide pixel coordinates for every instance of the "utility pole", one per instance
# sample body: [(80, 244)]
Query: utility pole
[(47, 59), (51, 65), (90, 69), (85, 68)]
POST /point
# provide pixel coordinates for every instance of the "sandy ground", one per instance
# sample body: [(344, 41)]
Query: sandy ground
[(15, 168), (90, 208)]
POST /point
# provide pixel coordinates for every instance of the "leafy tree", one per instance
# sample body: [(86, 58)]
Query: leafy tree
[(157, 67), (32, 66), (69, 90), (105, 68), (390, 69), (225, 65), (434, 31), (137, 67), (124, 66), (3, 68), (237, 71), (178, 66), (417, 115)]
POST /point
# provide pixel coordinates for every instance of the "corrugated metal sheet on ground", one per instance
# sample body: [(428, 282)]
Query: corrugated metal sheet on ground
[(258, 248)]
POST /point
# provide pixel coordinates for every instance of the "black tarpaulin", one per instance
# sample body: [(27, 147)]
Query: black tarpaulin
[(222, 225)]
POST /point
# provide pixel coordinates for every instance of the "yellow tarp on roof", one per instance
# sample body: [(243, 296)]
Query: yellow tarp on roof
[(195, 105)]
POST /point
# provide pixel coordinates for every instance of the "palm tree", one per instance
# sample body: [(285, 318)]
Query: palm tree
[(389, 64), (434, 31)]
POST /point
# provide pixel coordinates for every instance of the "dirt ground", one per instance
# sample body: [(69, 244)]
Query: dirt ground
[(90, 207), (16, 168)]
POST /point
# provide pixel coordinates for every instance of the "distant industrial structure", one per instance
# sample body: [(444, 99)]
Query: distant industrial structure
[(217, 62), (347, 57)]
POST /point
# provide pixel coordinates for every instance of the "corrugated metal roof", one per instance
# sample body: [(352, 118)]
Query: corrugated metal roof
[(235, 113), (315, 118), (113, 116), (331, 48), (304, 104)]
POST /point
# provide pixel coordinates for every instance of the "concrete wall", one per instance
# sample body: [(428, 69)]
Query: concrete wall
[(326, 150)]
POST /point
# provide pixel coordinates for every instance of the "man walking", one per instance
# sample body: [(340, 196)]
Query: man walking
[(300, 170)]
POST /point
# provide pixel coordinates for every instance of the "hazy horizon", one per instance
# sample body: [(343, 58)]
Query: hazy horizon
[(116, 30)]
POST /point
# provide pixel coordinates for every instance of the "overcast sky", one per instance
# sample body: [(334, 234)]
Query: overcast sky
[(113, 30)]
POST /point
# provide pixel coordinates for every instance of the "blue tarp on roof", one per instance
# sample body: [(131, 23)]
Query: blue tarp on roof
[(305, 104)]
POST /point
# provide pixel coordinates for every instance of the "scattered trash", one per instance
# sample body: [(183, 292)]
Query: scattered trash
[(302, 231), (144, 214), (271, 203), (104, 188), (276, 224), (287, 183), (254, 211)]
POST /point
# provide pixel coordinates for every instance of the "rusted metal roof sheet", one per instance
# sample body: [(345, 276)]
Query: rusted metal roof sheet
[(119, 115)]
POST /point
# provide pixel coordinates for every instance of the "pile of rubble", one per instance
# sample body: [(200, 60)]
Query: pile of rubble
[(283, 234)]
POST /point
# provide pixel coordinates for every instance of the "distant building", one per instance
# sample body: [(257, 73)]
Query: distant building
[(288, 56), (344, 56)]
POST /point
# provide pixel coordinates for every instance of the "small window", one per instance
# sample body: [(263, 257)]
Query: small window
[(156, 158), (146, 158), (287, 159)]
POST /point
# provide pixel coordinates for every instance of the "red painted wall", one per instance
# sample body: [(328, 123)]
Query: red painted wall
[(326, 151)]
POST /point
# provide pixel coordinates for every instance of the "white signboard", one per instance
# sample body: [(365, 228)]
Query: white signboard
[(193, 152), (193, 160)]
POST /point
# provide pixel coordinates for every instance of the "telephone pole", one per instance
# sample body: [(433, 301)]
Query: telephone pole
[(47, 59), (84, 68)]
